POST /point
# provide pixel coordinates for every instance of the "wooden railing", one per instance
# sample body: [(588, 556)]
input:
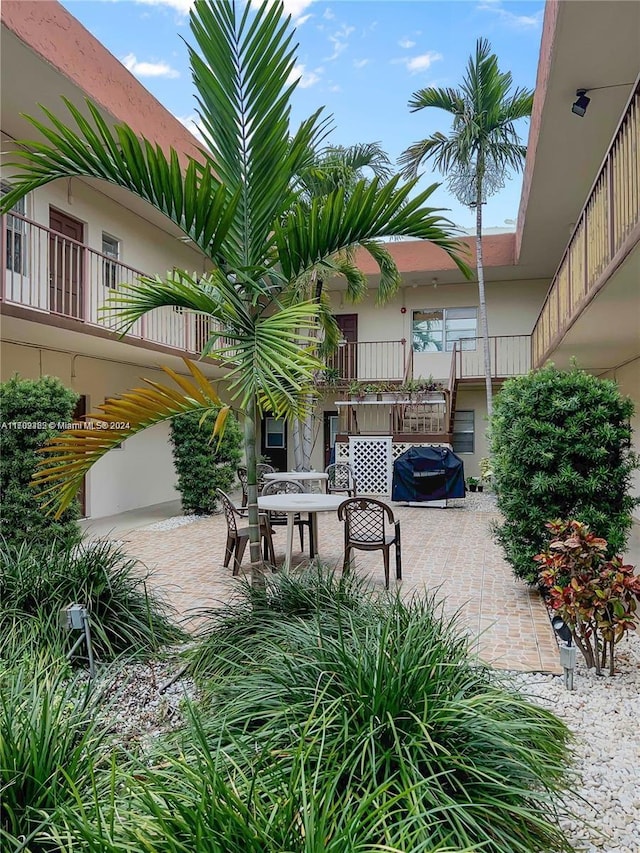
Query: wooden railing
[(399, 418), (600, 240), (370, 361), (510, 356), (56, 275)]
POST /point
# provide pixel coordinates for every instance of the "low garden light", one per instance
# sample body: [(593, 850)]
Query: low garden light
[(75, 617), (567, 650)]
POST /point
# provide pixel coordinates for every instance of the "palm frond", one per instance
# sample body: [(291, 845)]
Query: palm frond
[(71, 454), (390, 278), (195, 200), (310, 234)]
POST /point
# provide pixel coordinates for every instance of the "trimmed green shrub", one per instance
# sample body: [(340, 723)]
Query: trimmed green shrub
[(30, 409), (560, 445), (203, 463), (35, 584)]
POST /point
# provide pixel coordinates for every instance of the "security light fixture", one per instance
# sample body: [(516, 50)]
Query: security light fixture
[(581, 103), (567, 650), (342, 342), (562, 629)]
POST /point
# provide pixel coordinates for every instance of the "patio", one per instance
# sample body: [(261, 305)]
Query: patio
[(448, 551)]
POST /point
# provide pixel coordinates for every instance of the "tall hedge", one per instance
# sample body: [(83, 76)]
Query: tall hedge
[(31, 410), (561, 445), (204, 465)]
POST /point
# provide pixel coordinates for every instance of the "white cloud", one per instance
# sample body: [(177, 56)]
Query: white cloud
[(303, 20), (193, 124), (295, 8), (422, 62), (148, 69), (181, 6), (306, 78), (360, 63), (520, 22), (340, 41), (328, 15), (406, 43)]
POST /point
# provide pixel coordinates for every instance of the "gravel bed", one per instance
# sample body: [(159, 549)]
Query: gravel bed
[(603, 714), (140, 704), (476, 502)]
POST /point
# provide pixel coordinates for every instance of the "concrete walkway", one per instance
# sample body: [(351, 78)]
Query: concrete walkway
[(447, 551)]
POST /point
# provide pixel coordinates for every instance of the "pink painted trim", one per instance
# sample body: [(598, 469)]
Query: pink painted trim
[(50, 31)]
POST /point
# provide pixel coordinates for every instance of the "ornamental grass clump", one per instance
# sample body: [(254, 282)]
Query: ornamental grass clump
[(49, 743), (561, 448), (596, 597), (379, 703), (37, 583)]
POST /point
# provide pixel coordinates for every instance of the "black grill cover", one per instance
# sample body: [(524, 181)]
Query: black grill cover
[(428, 474)]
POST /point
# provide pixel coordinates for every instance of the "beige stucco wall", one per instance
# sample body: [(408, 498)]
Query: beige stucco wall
[(139, 474), (512, 308), (628, 379)]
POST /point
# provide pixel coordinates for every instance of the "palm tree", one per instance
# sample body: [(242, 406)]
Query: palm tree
[(239, 203), (482, 146)]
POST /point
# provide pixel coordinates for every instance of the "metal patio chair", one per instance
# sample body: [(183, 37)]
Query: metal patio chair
[(340, 479), (289, 487)]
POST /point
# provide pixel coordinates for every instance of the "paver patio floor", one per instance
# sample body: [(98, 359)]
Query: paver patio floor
[(450, 551)]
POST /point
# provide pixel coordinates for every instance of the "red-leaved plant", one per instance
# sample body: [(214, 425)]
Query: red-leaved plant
[(596, 597)]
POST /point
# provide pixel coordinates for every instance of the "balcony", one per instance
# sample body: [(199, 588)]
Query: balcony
[(606, 231), (56, 276), (510, 356), (370, 361)]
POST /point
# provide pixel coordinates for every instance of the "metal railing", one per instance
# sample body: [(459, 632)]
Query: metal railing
[(369, 361), (54, 274), (610, 215), (510, 356)]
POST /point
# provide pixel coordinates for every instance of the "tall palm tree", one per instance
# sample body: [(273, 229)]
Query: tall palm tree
[(239, 203), (482, 146)]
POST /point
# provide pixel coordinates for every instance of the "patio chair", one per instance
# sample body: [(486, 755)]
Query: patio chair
[(237, 537), (369, 525), (341, 479), (261, 469), (289, 487)]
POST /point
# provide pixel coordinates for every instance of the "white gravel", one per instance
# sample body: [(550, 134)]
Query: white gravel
[(603, 714), (176, 521)]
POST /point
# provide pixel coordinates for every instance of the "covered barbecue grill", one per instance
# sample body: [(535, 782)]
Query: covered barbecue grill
[(428, 474)]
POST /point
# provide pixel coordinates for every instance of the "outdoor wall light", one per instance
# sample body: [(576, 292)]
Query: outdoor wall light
[(581, 103), (567, 650), (342, 342)]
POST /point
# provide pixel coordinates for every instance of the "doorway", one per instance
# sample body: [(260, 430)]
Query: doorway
[(66, 265), (330, 433), (347, 355), (78, 415), (273, 441)]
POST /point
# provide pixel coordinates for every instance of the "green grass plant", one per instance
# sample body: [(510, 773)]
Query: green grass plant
[(35, 584), (49, 742)]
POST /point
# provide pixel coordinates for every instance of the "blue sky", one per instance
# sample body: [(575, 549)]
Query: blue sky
[(361, 59)]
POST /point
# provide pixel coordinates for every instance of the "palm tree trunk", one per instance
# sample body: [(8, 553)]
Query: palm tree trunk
[(257, 566), (298, 461), (484, 327)]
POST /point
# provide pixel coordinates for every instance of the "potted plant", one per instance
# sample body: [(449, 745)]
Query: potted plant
[(355, 390), (472, 483), (330, 376)]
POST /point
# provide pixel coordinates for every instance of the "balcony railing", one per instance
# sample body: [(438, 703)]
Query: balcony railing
[(608, 219), (510, 356), (400, 419), (369, 361), (53, 274)]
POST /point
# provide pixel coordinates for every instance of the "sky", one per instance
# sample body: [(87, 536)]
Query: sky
[(360, 59)]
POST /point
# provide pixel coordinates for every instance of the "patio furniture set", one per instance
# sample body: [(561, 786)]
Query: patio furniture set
[(369, 524)]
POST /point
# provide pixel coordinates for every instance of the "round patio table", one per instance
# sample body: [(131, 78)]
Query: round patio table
[(303, 477), (292, 504)]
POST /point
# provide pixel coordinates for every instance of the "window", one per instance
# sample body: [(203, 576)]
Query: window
[(463, 431), (16, 235), (111, 250), (438, 330), (274, 428)]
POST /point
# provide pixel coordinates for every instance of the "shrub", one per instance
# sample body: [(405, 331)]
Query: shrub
[(39, 402), (561, 449), (35, 584), (203, 463), (596, 597)]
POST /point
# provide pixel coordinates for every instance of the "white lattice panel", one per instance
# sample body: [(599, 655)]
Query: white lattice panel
[(342, 451), (372, 462), (399, 447)]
